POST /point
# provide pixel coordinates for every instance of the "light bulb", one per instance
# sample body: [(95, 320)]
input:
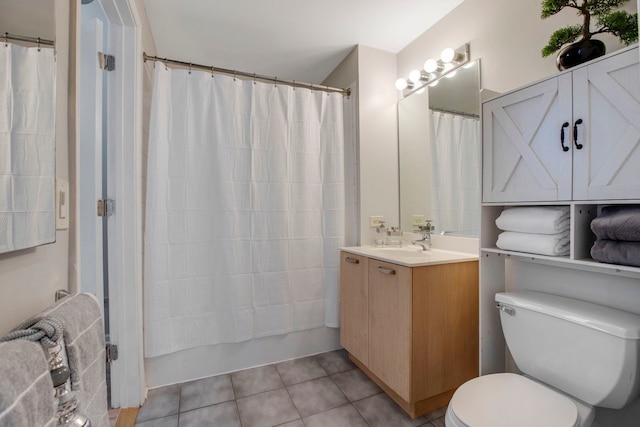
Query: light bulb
[(430, 65), (415, 75), (434, 83), (447, 55), (451, 74), (401, 84)]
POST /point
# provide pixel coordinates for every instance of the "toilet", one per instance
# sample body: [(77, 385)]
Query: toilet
[(573, 355)]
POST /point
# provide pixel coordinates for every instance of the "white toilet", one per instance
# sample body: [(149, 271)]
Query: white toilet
[(574, 355)]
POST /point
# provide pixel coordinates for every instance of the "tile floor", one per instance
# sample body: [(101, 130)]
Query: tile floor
[(325, 390)]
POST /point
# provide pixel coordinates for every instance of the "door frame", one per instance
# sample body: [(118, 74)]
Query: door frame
[(124, 161)]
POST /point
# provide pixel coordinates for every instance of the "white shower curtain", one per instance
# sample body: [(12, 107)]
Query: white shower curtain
[(244, 211), (455, 150), (27, 146)]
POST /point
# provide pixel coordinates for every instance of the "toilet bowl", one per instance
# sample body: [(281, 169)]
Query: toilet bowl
[(574, 356), (511, 400)]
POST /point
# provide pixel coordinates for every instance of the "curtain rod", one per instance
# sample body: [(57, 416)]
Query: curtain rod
[(459, 113), (36, 40), (253, 76)]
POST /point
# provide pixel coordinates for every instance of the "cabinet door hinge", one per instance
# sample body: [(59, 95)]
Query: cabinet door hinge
[(111, 352), (105, 207), (106, 62)]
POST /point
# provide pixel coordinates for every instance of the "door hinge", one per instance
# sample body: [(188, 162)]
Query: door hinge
[(105, 207), (111, 351), (106, 62)]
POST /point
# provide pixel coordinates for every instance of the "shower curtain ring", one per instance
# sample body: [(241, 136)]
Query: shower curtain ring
[(6, 39), (234, 75), (212, 70), (38, 44), (275, 79), (294, 85), (189, 67), (254, 78)]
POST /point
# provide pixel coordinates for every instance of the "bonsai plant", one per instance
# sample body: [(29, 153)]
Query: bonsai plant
[(619, 23)]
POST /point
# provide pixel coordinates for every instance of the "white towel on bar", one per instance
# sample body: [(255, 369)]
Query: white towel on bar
[(543, 244), (535, 219)]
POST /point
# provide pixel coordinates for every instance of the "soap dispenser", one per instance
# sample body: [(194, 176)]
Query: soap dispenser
[(381, 235)]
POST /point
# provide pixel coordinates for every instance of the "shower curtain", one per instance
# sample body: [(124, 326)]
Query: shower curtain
[(455, 151), (244, 210), (27, 146)]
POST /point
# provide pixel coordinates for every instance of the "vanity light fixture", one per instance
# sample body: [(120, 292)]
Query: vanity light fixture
[(450, 60), (402, 84)]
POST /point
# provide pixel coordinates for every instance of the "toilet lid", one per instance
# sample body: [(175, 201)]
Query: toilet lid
[(508, 400)]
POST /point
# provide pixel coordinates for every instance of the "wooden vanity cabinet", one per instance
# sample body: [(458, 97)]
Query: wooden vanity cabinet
[(354, 305), (421, 330)]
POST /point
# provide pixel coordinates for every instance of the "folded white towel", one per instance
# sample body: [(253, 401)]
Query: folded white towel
[(535, 219), (544, 244)]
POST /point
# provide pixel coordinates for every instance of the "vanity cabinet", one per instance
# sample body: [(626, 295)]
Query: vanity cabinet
[(420, 338), (354, 305), (571, 137)]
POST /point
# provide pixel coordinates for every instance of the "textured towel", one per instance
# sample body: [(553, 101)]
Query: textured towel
[(616, 252), (26, 391), (544, 244), (85, 345), (535, 219), (618, 223)]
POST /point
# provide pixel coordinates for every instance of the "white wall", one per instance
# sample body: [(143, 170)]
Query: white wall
[(507, 34), (29, 278), (378, 139)]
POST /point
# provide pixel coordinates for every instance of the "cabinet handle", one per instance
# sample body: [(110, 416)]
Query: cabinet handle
[(575, 134), (352, 260), (564, 147), (386, 270)]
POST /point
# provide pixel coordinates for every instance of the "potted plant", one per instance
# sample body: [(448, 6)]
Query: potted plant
[(619, 23)]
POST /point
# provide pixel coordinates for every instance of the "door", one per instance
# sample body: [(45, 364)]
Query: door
[(607, 102), (390, 325), (523, 156), (354, 306), (92, 158)]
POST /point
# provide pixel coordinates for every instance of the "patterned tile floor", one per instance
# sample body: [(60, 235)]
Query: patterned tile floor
[(325, 390)]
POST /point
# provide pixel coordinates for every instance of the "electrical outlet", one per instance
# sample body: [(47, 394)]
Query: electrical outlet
[(417, 220), (376, 221)]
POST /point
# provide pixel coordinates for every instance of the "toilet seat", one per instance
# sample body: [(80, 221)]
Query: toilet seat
[(508, 400)]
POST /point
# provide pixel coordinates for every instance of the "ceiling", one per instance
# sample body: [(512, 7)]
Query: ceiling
[(291, 39)]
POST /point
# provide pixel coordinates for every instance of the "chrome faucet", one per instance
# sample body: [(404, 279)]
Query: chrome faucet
[(425, 241)]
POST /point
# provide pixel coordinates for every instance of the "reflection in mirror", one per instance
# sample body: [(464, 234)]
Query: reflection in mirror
[(27, 124), (439, 149)]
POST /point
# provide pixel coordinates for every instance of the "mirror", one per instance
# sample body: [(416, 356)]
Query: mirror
[(439, 154), (27, 125)]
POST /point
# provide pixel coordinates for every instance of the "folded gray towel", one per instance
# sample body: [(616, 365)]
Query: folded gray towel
[(85, 345), (26, 391), (618, 223), (616, 252)]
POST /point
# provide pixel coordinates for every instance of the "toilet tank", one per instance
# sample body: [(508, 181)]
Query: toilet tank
[(589, 351)]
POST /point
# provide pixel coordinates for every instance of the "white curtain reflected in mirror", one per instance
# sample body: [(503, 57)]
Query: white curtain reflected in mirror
[(27, 146), (439, 148), (455, 183)]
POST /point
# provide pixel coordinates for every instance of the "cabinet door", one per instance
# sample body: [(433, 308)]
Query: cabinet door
[(523, 159), (354, 306), (607, 100), (390, 325)]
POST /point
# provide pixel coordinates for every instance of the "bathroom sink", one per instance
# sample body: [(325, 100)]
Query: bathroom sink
[(411, 256), (407, 251)]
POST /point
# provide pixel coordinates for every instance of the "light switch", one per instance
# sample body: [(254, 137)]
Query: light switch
[(62, 204)]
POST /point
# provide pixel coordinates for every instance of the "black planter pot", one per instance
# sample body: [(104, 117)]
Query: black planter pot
[(579, 52)]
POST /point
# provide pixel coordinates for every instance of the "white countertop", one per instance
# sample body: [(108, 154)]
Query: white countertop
[(411, 256)]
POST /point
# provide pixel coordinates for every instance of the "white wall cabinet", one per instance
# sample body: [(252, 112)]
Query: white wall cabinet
[(575, 136), (524, 164)]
